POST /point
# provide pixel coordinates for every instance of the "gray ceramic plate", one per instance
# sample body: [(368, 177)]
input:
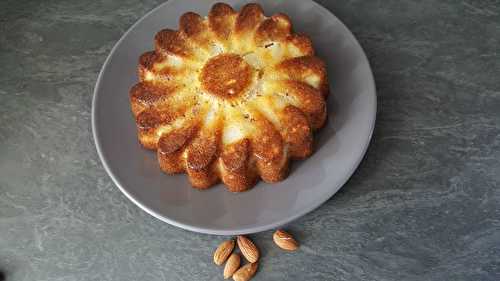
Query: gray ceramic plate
[(340, 145)]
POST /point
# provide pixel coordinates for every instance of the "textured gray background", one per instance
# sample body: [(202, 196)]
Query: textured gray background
[(424, 204)]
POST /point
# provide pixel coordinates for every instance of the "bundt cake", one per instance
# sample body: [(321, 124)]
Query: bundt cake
[(230, 97)]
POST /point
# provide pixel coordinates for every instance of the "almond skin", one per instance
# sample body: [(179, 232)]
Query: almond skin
[(248, 249), (246, 272), (285, 240), (223, 251), (232, 264)]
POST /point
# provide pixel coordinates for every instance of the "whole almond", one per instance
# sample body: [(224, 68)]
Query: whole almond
[(246, 272), (223, 251), (285, 240), (232, 264), (248, 249)]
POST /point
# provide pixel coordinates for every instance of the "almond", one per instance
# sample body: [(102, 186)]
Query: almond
[(223, 251), (232, 264), (285, 240), (246, 272), (248, 249)]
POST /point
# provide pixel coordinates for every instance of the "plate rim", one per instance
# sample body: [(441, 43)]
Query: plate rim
[(247, 230)]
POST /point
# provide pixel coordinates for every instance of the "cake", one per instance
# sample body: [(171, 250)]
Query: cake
[(230, 97)]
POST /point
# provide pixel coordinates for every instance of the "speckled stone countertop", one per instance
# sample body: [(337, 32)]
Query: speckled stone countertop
[(423, 205)]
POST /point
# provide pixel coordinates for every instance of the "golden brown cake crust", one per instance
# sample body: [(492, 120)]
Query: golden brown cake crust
[(169, 42), (220, 20), (276, 28), (226, 75), (231, 97), (298, 68), (249, 18), (311, 101), (191, 24), (297, 133), (238, 174)]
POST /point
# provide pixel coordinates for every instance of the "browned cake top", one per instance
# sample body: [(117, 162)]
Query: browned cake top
[(226, 76)]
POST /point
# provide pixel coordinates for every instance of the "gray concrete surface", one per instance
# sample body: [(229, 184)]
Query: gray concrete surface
[(424, 204)]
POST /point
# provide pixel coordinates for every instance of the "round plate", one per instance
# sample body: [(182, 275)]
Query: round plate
[(340, 145)]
